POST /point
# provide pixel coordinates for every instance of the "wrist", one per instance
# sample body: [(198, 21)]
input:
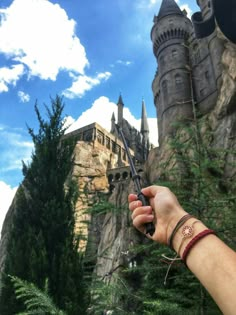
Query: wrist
[(173, 224), (180, 241)]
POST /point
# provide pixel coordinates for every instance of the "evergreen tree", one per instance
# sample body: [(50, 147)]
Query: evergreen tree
[(42, 244), (195, 172)]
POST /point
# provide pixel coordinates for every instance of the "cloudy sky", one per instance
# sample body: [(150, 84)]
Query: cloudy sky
[(89, 51)]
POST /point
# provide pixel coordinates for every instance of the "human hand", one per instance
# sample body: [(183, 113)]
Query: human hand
[(164, 211)]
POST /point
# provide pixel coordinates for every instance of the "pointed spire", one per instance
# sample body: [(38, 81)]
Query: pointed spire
[(120, 101), (169, 7), (113, 117), (144, 122)]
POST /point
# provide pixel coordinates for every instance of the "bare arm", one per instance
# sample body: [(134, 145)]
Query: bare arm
[(211, 260)]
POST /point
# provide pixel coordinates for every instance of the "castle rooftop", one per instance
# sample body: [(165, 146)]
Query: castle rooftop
[(169, 7)]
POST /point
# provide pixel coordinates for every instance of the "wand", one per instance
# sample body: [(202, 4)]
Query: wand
[(150, 229)]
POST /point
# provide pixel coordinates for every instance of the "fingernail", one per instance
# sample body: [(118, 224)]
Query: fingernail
[(150, 217)]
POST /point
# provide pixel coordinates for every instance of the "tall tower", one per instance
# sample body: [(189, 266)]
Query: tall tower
[(215, 44), (120, 106), (172, 83)]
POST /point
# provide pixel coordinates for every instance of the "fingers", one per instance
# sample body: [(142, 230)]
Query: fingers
[(142, 215), (132, 197), (151, 191)]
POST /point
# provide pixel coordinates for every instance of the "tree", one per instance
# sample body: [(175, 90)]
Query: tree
[(195, 172), (42, 244)]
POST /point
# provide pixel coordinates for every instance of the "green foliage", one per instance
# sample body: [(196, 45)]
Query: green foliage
[(195, 172), (42, 243), (36, 301)]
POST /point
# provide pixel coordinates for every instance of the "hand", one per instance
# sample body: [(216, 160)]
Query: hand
[(164, 211)]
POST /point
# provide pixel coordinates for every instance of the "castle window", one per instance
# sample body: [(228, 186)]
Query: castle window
[(171, 22), (174, 53), (178, 80), (164, 88), (162, 61), (209, 4), (117, 176), (207, 75), (197, 56)]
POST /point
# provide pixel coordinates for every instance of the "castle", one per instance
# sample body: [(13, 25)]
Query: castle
[(189, 69), (188, 76)]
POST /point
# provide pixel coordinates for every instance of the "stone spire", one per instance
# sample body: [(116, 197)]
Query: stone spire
[(113, 121), (120, 105), (144, 122), (120, 101), (169, 7)]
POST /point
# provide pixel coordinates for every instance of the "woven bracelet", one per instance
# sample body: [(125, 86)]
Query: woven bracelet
[(178, 225), (191, 244)]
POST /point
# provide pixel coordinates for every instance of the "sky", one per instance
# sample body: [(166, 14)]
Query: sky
[(87, 51)]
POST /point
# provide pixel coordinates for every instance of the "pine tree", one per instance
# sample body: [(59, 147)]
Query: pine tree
[(42, 243), (195, 172)]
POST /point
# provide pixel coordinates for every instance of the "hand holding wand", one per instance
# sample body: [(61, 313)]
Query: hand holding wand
[(150, 228)]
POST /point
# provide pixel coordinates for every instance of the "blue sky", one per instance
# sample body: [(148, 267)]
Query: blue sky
[(89, 51)]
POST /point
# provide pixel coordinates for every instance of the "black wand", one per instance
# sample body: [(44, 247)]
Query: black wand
[(150, 228)]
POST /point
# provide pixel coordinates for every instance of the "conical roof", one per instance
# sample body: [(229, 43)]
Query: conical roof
[(113, 117), (169, 7), (120, 101)]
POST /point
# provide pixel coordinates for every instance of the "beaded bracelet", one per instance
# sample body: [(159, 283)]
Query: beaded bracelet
[(191, 244), (177, 227)]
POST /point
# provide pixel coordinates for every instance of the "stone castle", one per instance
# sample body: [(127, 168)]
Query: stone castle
[(189, 69), (188, 76)]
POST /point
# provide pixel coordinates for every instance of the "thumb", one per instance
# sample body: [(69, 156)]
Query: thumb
[(151, 191)]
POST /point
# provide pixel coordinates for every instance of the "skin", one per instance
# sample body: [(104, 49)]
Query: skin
[(211, 260)]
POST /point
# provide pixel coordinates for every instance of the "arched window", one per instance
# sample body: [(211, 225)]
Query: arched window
[(174, 53), (196, 51), (161, 61), (178, 79), (164, 88)]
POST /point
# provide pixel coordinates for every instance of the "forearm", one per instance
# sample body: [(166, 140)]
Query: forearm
[(214, 264)]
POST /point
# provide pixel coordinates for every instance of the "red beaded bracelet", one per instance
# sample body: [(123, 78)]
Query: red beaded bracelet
[(191, 244)]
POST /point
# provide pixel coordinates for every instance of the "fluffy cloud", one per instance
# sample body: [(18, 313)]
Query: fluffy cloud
[(107, 108), (83, 83), (9, 76), (24, 97), (6, 196), (42, 46), (17, 149)]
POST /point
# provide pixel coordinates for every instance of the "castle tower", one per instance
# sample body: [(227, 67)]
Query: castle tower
[(113, 121), (144, 131), (172, 83), (214, 43), (120, 106)]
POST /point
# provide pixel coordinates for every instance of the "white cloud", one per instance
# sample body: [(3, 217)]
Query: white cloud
[(9, 76), (39, 35), (188, 10), (6, 196), (17, 149), (84, 83), (24, 97), (101, 112), (124, 62)]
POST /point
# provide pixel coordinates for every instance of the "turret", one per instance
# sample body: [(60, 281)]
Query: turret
[(204, 19), (172, 84), (113, 121), (120, 106)]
